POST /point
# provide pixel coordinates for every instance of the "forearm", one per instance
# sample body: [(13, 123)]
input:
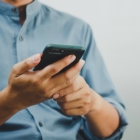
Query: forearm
[(7, 109), (104, 120)]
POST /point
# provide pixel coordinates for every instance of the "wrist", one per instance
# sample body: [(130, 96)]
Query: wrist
[(7, 106), (8, 100), (96, 103)]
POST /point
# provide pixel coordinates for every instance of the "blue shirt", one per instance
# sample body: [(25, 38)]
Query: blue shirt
[(44, 25)]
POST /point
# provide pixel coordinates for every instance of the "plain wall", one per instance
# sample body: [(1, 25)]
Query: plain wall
[(116, 27)]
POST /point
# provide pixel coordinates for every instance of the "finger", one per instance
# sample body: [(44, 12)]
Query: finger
[(26, 65), (75, 112), (74, 69), (66, 90), (56, 67), (71, 105), (59, 85), (65, 79), (71, 97), (75, 86), (59, 82)]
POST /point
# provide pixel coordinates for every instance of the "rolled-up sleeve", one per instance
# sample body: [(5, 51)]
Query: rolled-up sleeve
[(97, 77)]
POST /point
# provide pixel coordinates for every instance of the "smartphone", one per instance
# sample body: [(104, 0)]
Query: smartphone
[(55, 52)]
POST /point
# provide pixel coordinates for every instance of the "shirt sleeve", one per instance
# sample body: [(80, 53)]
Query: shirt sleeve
[(97, 77)]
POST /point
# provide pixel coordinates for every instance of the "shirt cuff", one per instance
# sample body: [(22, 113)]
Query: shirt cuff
[(118, 133)]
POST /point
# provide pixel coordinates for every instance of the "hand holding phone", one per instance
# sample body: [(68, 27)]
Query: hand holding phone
[(55, 52)]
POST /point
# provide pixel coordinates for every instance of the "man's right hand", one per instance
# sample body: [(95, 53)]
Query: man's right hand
[(26, 87)]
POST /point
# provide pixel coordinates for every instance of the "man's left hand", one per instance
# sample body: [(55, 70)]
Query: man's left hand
[(77, 99)]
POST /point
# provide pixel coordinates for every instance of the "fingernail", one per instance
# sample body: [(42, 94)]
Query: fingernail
[(36, 57), (72, 57), (55, 96), (82, 62)]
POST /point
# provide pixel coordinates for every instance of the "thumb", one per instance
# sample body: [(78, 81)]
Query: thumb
[(26, 64)]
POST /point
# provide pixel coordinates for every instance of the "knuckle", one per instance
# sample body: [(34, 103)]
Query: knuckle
[(14, 69), (54, 69), (87, 102), (87, 94), (61, 93), (36, 81)]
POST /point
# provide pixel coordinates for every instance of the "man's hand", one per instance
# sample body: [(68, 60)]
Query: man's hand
[(26, 87), (79, 99), (75, 99)]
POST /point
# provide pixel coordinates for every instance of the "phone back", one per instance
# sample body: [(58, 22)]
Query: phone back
[(55, 52)]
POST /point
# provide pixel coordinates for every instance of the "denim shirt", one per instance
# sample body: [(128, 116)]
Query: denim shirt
[(44, 25)]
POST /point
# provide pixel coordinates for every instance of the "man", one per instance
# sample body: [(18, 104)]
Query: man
[(38, 105)]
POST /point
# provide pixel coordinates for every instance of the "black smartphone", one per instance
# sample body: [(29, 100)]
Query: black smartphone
[(55, 52)]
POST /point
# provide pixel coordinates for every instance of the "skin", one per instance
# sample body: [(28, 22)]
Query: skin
[(72, 93), (26, 88)]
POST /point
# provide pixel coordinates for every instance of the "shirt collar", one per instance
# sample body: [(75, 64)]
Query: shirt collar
[(10, 10)]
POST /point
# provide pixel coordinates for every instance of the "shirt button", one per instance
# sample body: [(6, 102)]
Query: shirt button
[(40, 124), (15, 10), (20, 38)]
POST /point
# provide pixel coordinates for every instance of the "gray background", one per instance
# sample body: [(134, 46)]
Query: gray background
[(116, 27)]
